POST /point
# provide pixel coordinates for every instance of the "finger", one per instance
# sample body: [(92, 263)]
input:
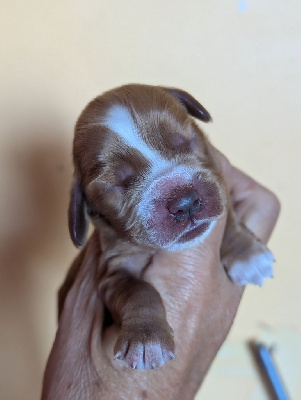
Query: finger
[(189, 273), (256, 206)]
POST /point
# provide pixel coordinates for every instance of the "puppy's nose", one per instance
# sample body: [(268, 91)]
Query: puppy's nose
[(185, 207)]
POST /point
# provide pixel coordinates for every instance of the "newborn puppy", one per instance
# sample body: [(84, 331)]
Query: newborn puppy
[(146, 175)]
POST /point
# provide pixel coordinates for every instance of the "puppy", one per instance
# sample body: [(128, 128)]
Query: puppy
[(146, 175)]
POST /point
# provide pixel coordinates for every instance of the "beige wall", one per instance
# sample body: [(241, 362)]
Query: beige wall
[(241, 59)]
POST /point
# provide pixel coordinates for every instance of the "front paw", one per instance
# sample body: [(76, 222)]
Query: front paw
[(253, 265), (145, 345)]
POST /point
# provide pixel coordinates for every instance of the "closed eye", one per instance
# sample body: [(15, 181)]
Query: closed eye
[(181, 143), (125, 176)]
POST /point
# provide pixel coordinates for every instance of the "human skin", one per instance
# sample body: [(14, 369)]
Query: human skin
[(200, 301)]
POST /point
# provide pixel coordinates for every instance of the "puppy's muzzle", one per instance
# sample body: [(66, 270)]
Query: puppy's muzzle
[(185, 206)]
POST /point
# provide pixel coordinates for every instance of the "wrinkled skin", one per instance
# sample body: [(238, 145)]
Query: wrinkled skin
[(199, 298)]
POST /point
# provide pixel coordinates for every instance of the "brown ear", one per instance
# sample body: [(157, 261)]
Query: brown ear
[(77, 215), (192, 106)]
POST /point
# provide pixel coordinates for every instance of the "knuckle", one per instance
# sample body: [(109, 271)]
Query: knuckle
[(272, 200)]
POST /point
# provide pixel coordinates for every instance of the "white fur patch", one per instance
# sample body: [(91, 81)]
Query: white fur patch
[(121, 122), (253, 270)]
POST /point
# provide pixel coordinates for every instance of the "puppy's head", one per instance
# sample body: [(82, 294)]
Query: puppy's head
[(144, 166)]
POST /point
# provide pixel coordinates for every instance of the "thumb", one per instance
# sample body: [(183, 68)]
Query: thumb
[(175, 274)]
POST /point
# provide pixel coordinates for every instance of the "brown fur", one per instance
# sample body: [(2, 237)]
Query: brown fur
[(108, 186)]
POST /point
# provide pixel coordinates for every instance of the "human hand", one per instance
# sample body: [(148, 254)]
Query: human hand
[(200, 302)]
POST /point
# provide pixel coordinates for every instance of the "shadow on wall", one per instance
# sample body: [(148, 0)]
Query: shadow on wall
[(30, 249)]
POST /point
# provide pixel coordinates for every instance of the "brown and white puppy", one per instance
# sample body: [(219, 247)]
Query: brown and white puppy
[(146, 175)]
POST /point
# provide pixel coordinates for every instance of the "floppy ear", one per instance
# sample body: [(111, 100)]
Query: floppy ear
[(192, 106), (77, 215)]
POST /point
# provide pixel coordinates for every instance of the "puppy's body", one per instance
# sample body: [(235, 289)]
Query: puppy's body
[(146, 175)]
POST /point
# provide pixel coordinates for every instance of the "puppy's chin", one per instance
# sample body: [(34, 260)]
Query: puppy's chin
[(193, 232), (192, 236)]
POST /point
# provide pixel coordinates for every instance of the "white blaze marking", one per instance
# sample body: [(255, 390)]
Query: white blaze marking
[(120, 121)]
